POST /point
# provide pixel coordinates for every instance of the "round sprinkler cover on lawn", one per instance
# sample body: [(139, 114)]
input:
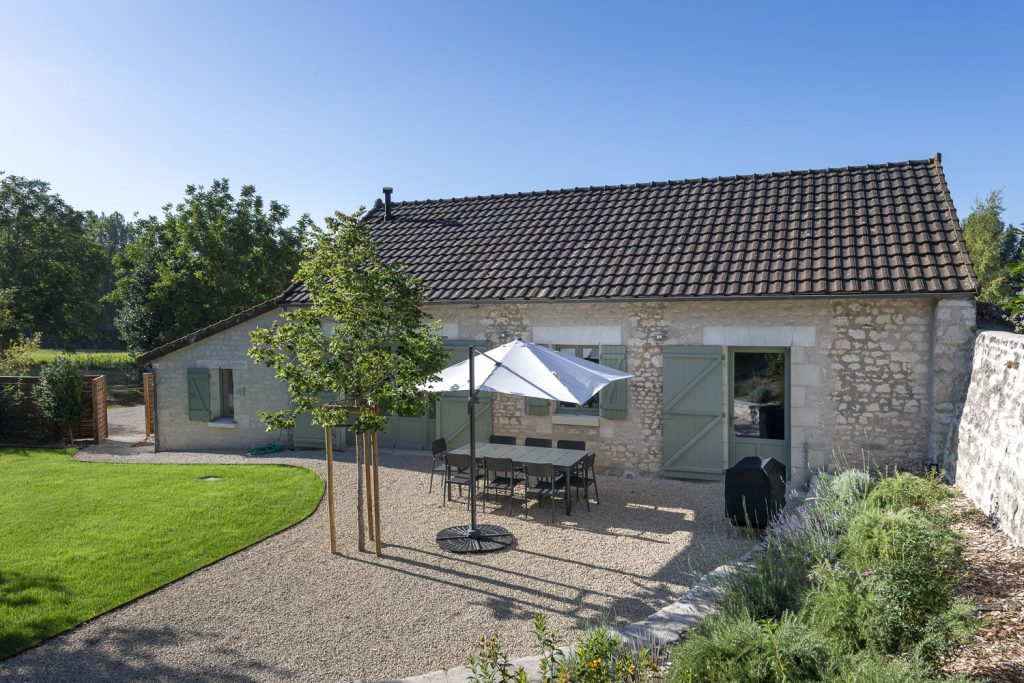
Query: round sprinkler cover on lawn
[(484, 539)]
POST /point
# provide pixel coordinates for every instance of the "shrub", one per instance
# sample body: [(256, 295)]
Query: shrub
[(492, 665), (906, 491), (773, 585), (840, 497), (869, 667), (16, 355), (909, 562), (59, 394), (777, 580), (740, 649), (837, 607), (598, 656)]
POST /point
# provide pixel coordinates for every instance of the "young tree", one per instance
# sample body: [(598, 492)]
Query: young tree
[(364, 338), (207, 258), (49, 260), (60, 395), (994, 248)]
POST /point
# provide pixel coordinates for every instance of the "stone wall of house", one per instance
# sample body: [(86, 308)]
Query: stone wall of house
[(256, 388), (862, 385), (888, 403), (985, 452)]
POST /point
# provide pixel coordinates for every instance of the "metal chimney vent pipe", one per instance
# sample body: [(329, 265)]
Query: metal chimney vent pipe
[(387, 203)]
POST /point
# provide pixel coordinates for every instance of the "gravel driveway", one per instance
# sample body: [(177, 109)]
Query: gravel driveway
[(286, 609)]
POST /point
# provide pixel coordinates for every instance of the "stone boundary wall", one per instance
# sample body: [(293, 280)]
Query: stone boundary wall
[(985, 452)]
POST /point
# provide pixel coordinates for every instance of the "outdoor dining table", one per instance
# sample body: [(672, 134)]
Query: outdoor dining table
[(563, 459)]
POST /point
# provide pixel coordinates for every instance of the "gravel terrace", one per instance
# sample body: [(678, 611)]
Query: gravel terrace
[(285, 609)]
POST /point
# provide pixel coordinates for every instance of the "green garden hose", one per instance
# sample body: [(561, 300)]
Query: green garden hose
[(266, 450)]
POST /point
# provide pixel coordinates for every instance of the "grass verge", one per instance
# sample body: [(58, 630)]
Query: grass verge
[(79, 539), (85, 358)]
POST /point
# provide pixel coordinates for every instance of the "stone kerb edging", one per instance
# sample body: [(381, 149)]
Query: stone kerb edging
[(664, 626)]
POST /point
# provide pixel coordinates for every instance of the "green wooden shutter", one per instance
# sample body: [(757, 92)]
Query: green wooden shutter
[(692, 413), (613, 397), (452, 421), (538, 406), (199, 394)]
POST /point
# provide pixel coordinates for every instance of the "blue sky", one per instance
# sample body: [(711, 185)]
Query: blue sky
[(320, 104)]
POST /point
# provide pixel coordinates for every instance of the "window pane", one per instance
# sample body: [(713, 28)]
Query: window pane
[(759, 395), (227, 393), (593, 354)]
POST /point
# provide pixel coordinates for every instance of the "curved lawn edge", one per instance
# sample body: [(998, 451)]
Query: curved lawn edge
[(73, 452)]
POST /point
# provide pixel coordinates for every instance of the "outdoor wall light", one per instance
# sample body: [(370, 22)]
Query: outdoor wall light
[(660, 336), (503, 335)]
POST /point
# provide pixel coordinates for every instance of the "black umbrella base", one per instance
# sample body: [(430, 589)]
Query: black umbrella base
[(484, 539)]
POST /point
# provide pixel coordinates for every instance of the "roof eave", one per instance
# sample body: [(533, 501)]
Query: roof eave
[(210, 330)]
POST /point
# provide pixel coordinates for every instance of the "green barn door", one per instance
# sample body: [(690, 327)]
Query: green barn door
[(452, 412), (692, 415), (308, 435), (453, 418)]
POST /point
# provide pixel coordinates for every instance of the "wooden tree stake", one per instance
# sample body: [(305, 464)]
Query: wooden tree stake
[(368, 465), (376, 492)]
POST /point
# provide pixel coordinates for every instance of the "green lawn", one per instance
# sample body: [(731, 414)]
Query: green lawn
[(78, 539), (86, 357)]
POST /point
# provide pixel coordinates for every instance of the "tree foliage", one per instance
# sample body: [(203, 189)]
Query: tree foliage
[(995, 249), (49, 258), (364, 337), (205, 259), (112, 233), (59, 394)]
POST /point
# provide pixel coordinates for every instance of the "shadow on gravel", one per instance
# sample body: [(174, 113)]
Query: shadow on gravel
[(126, 654)]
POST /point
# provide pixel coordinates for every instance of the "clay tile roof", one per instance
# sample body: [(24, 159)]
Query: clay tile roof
[(884, 229)]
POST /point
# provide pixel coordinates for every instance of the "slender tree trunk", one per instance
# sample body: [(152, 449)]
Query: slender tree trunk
[(360, 455), (329, 441)]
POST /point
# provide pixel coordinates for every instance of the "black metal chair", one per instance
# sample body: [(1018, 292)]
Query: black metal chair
[(572, 445), (438, 451), (583, 477), (547, 483), (457, 472), (501, 475), (504, 440), (537, 441)]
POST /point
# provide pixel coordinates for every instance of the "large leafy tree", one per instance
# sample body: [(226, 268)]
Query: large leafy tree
[(995, 250), (364, 338), (51, 265), (113, 233), (208, 257)]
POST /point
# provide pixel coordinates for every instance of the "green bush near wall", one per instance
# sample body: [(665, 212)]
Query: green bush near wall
[(857, 586)]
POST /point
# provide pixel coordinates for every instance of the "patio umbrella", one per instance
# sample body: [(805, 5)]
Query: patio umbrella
[(519, 368)]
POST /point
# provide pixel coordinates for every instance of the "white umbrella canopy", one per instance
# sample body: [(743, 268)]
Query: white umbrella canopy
[(522, 368)]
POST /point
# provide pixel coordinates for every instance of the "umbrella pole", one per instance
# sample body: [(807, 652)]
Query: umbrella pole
[(473, 538), (472, 442)]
